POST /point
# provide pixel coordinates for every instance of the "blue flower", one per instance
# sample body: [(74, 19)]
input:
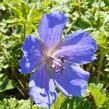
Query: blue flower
[(56, 60)]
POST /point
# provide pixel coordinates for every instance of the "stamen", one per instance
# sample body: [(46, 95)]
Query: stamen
[(62, 59), (58, 64)]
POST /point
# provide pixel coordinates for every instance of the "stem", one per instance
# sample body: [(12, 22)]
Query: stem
[(20, 91), (100, 63), (23, 89), (24, 29), (79, 8), (31, 102), (24, 26)]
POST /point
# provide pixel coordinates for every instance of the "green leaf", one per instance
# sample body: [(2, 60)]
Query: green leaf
[(98, 94), (13, 103), (6, 83)]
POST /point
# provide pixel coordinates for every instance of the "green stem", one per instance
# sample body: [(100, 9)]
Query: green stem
[(100, 63), (31, 102), (23, 89), (24, 30), (79, 8), (20, 91)]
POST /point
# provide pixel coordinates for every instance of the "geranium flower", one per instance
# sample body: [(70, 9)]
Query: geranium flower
[(56, 60)]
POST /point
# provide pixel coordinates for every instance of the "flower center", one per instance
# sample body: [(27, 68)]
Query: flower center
[(51, 62), (57, 64)]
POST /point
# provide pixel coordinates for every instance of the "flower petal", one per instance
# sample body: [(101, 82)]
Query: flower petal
[(42, 88), (72, 81), (78, 48), (32, 54), (51, 27)]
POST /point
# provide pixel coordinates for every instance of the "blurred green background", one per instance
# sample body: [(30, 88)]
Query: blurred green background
[(18, 18)]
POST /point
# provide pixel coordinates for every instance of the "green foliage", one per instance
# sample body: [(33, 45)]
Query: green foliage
[(58, 102), (98, 93), (76, 103), (5, 83), (27, 16), (9, 51), (13, 103), (95, 99), (18, 18)]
